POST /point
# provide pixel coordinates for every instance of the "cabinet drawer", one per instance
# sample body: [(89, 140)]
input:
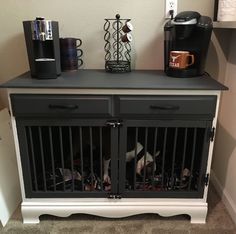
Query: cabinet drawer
[(59, 105), (166, 106)]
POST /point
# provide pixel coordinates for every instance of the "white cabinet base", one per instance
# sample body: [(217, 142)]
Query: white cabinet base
[(114, 209)]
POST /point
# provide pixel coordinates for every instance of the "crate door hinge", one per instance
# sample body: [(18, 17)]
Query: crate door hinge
[(206, 179), (212, 134), (9, 112)]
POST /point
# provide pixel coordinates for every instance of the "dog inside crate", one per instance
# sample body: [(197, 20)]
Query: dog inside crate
[(163, 158)]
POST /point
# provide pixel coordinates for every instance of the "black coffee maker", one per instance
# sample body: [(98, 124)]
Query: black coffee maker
[(42, 42), (189, 33)]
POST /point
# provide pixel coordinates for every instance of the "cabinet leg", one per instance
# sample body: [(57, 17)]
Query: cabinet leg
[(198, 216), (29, 216)]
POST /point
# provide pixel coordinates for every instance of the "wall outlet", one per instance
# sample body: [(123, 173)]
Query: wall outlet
[(171, 5)]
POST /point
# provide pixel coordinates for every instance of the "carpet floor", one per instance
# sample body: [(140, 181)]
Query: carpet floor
[(218, 222)]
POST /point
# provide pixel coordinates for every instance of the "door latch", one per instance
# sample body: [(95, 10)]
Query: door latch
[(114, 123), (114, 196)]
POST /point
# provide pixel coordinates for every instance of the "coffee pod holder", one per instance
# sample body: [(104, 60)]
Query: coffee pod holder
[(117, 45)]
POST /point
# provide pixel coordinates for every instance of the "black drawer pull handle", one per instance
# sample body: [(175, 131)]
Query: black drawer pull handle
[(164, 107), (67, 107)]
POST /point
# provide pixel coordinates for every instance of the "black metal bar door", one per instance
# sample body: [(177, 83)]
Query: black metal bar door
[(163, 158), (68, 157)]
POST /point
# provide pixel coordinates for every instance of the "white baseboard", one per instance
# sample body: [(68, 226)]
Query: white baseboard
[(225, 196)]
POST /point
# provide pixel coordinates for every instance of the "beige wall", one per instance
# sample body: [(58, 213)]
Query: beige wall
[(224, 160), (85, 19)]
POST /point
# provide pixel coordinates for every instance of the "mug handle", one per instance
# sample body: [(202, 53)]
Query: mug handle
[(81, 62), (81, 52), (192, 59), (80, 42)]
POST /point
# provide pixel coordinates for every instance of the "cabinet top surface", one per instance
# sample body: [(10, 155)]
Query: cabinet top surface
[(99, 79)]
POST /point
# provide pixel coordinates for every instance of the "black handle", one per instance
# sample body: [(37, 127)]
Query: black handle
[(67, 107), (167, 107)]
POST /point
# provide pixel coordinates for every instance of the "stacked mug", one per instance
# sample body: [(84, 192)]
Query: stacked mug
[(70, 53)]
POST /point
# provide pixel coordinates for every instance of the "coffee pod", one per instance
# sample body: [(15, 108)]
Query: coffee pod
[(126, 38), (128, 27)]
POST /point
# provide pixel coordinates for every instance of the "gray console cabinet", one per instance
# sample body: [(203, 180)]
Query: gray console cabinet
[(114, 146)]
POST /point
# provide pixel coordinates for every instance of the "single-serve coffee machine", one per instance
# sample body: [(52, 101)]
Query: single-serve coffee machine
[(187, 38), (42, 42)]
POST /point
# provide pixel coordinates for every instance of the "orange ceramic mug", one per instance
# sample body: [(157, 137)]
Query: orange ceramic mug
[(180, 59)]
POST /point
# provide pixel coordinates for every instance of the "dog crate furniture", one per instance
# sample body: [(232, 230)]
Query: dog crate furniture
[(114, 145)]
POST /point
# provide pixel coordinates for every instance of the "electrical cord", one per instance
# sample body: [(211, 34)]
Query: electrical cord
[(171, 14), (206, 73)]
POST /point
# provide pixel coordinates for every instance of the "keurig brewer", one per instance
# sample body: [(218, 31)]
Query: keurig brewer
[(42, 42), (186, 43)]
